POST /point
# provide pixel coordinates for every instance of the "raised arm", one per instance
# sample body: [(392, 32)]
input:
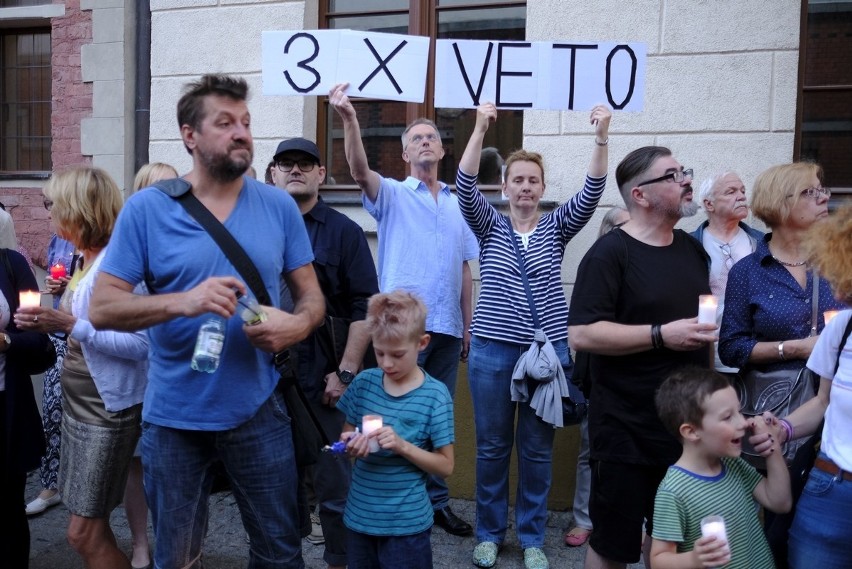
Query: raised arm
[(486, 113), (601, 116), (356, 156)]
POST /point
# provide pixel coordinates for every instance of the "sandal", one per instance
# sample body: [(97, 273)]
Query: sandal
[(577, 536), (485, 554)]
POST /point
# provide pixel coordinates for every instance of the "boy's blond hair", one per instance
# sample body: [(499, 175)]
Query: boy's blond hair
[(680, 399), (397, 315)]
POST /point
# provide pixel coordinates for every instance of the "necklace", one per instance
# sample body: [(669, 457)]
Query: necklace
[(786, 264)]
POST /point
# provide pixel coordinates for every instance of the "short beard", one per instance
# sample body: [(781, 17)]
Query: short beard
[(688, 209), (224, 169)]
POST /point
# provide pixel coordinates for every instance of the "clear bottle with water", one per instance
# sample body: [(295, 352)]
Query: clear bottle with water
[(208, 345)]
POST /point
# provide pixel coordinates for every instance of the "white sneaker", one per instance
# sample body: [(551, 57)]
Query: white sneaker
[(39, 505), (316, 537)]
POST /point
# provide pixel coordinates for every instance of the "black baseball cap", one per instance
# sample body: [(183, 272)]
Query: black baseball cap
[(298, 145)]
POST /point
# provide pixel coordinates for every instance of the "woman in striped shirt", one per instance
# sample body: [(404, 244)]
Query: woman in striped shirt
[(503, 329)]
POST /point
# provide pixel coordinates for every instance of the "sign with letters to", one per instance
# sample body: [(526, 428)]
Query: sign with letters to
[(311, 62), (556, 75), (539, 75)]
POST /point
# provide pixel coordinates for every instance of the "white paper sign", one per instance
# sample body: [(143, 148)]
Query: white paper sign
[(384, 66), (311, 62), (299, 62), (539, 75)]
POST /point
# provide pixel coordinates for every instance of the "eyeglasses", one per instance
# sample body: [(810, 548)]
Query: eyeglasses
[(48, 205), (305, 164), (676, 177), (815, 192), (417, 139), (726, 253)]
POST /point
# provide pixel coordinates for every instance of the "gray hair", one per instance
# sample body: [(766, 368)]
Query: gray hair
[(414, 123), (708, 186)]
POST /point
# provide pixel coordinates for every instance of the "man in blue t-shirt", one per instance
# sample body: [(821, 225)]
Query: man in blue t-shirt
[(233, 416)]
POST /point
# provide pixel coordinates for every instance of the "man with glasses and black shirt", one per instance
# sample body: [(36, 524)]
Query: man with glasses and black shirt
[(725, 236), (347, 277), (424, 248), (634, 308)]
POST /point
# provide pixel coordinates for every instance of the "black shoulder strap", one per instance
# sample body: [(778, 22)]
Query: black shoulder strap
[(179, 189), (845, 337)]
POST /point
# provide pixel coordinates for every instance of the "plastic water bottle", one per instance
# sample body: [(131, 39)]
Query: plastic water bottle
[(250, 311), (208, 345)]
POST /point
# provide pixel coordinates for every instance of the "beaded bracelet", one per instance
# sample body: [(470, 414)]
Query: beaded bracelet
[(788, 428)]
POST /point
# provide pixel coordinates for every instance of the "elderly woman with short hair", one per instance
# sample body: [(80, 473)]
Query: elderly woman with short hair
[(104, 375), (766, 323)]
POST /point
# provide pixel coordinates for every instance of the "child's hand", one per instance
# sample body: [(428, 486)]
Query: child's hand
[(711, 551), (357, 445), (767, 434), (389, 440)]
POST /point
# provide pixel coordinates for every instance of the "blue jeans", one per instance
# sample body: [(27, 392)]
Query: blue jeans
[(258, 460), (440, 359), (490, 374), (583, 485), (389, 552), (822, 529)]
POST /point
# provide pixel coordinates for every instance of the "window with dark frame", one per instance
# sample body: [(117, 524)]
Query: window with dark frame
[(25, 101), (824, 129), (382, 122)]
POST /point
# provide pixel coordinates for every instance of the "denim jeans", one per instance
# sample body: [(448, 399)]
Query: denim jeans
[(583, 485), (389, 552), (258, 460), (822, 529), (440, 359), (490, 374)]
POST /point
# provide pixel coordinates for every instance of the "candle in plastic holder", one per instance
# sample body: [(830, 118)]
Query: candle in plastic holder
[(715, 526), (27, 298), (828, 315), (58, 270), (707, 305), (369, 424)]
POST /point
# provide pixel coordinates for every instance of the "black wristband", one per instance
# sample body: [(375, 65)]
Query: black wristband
[(657, 336)]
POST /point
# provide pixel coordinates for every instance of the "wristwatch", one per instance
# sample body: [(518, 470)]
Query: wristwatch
[(345, 376)]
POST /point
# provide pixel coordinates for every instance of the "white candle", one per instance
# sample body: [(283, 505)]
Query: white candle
[(28, 298), (707, 305), (369, 424), (715, 526), (828, 315)]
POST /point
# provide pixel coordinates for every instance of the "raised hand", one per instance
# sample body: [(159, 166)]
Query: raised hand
[(338, 99)]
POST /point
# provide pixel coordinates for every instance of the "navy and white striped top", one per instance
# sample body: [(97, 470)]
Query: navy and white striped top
[(502, 311)]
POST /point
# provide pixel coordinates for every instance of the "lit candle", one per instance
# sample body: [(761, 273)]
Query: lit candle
[(828, 315), (707, 305), (715, 526), (369, 424), (58, 271), (29, 298)]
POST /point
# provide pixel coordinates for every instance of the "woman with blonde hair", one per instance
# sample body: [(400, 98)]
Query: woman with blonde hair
[(104, 374), (767, 320), (152, 173)]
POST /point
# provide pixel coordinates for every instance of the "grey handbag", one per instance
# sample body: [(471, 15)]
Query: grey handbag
[(780, 391)]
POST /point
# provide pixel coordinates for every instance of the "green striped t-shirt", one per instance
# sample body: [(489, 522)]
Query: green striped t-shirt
[(684, 498)]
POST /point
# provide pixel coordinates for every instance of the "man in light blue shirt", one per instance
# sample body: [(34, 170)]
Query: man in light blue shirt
[(424, 247)]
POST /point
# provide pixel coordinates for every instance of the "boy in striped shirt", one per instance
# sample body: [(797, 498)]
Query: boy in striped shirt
[(701, 409), (388, 512)]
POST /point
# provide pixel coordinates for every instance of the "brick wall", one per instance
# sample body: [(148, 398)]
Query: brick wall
[(71, 102)]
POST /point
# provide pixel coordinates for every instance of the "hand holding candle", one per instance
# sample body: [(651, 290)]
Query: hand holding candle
[(369, 424), (707, 306)]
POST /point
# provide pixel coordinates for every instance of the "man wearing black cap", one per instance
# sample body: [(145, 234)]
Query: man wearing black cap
[(347, 277)]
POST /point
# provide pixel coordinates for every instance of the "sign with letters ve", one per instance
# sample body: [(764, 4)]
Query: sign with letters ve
[(377, 65), (539, 75)]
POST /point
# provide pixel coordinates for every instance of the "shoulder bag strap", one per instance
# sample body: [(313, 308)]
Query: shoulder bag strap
[(840, 347), (524, 278), (814, 302)]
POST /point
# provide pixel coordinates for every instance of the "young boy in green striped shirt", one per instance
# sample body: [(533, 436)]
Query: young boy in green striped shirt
[(701, 409)]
